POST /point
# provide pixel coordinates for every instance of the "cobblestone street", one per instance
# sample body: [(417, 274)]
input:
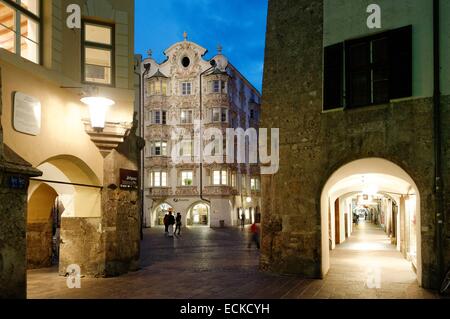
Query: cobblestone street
[(216, 264)]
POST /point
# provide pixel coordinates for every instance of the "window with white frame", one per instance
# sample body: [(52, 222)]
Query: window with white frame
[(220, 115), (98, 53), (157, 87), (186, 88), (158, 179), (187, 148), (244, 182), (220, 177), (218, 86), (255, 184), (158, 117), (216, 150), (186, 116), (158, 148), (187, 178), (20, 28)]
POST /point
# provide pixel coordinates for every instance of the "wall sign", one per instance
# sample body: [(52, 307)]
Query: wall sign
[(129, 180), (17, 182), (27, 114)]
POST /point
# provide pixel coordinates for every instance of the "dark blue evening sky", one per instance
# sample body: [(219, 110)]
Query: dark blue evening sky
[(238, 25)]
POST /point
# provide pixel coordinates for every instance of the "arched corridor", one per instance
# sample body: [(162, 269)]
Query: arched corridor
[(369, 262), (370, 224)]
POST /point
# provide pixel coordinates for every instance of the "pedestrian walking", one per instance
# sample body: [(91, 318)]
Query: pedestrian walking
[(178, 224), (170, 222), (166, 224), (254, 231), (242, 220)]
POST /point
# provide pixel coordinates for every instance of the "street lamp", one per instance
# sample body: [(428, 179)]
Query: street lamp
[(249, 200), (97, 109)]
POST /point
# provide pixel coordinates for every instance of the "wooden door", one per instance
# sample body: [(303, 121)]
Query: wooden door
[(337, 222)]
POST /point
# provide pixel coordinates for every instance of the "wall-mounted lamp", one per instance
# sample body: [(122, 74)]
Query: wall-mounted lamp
[(97, 109), (249, 200)]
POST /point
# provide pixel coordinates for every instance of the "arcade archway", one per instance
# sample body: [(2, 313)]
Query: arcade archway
[(371, 205), (159, 212), (198, 215), (68, 188)]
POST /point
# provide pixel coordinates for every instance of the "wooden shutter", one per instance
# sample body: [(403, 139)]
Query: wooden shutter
[(400, 53), (358, 73), (333, 76)]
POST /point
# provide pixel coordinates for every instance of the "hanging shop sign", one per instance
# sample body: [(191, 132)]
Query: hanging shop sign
[(27, 114), (129, 180)]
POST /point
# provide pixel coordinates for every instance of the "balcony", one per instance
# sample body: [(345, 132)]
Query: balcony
[(155, 101), (159, 192), (216, 99), (220, 191), (158, 161), (187, 191)]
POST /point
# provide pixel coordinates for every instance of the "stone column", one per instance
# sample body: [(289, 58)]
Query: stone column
[(14, 180)]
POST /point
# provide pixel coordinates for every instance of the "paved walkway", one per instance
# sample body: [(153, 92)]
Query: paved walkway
[(216, 264)]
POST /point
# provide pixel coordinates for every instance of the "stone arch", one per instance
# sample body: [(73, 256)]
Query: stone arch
[(156, 211), (75, 182), (343, 179), (40, 227), (192, 207)]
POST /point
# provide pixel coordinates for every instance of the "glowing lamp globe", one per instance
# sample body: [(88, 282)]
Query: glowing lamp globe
[(97, 109)]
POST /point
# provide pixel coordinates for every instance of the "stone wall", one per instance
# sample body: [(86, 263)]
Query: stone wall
[(82, 244), (121, 218), (39, 245), (314, 144), (291, 238), (12, 241), (446, 173)]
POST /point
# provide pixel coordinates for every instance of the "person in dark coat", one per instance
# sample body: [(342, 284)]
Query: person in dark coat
[(178, 224), (166, 223)]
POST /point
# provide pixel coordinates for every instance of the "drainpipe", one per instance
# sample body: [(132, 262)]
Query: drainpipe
[(141, 133), (213, 65), (438, 138)]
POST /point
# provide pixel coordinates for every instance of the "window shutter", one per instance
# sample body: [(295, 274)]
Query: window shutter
[(400, 52), (333, 76)]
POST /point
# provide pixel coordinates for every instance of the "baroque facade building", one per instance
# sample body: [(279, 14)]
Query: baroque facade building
[(179, 93), (363, 128)]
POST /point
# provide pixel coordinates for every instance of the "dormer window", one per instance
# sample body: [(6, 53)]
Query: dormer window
[(157, 85)]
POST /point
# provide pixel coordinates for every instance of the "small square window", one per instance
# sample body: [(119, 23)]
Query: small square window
[(186, 88), (186, 116)]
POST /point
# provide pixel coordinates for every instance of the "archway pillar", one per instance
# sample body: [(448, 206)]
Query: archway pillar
[(109, 245)]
